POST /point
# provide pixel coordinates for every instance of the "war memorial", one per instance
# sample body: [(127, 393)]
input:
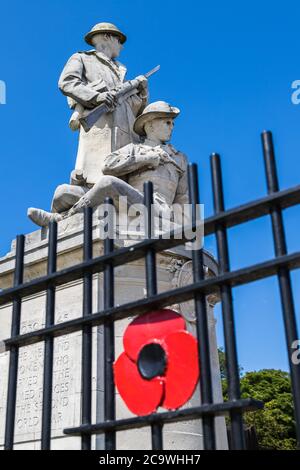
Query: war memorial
[(107, 324), (124, 141)]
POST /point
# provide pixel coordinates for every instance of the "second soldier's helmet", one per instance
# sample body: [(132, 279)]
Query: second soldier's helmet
[(153, 111)]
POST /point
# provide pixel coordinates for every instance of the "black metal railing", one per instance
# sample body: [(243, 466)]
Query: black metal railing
[(280, 266)]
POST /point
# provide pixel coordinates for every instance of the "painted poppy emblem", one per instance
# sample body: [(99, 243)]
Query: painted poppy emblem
[(159, 365)]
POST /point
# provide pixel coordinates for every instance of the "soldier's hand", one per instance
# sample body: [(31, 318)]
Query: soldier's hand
[(108, 98), (153, 159), (143, 82)]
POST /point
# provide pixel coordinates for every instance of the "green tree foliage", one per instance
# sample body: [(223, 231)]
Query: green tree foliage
[(275, 425), (222, 361)]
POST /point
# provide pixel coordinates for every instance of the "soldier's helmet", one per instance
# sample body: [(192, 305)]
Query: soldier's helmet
[(153, 111), (105, 28)]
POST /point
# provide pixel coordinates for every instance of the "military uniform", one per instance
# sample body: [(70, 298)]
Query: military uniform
[(169, 178), (85, 75), (126, 170)]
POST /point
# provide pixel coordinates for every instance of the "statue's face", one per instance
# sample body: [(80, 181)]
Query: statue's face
[(110, 43), (160, 129), (115, 46)]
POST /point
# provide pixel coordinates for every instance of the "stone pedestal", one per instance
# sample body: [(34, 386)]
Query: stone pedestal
[(173, 270)]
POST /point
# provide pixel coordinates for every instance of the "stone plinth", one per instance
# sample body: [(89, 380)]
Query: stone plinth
[(173, 270)]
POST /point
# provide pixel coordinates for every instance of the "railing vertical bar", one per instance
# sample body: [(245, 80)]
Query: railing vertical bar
[(48, 350), (87, 330), (109, 333), (209, 439), (237, 431), (14, 352), (283, 276), (151, 287)]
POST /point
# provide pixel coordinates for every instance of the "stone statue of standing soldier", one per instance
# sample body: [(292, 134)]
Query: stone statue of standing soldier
[(126, 147), (91, 78)]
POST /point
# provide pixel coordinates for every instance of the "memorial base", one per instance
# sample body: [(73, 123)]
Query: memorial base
[(174, 269)]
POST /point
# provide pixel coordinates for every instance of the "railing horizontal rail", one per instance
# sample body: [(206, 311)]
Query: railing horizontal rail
[(163, 299), (253, 210), (214, 409), (229, 218)]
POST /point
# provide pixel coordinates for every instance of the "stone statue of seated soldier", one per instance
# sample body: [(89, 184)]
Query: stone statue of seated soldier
[(126, 170)]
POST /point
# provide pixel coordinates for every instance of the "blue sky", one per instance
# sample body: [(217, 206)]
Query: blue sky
[(228, 66)]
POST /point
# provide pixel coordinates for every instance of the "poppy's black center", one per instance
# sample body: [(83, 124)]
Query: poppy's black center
[(152, 361)]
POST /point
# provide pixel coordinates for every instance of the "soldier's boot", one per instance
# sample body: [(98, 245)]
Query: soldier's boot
[(43, 218)]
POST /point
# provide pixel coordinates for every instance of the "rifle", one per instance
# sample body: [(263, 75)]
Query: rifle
[(92, 117)]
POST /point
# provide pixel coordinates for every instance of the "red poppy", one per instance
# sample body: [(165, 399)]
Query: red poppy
[(159, 366)]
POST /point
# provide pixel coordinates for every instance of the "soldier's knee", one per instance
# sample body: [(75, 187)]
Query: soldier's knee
[(61, 191)]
